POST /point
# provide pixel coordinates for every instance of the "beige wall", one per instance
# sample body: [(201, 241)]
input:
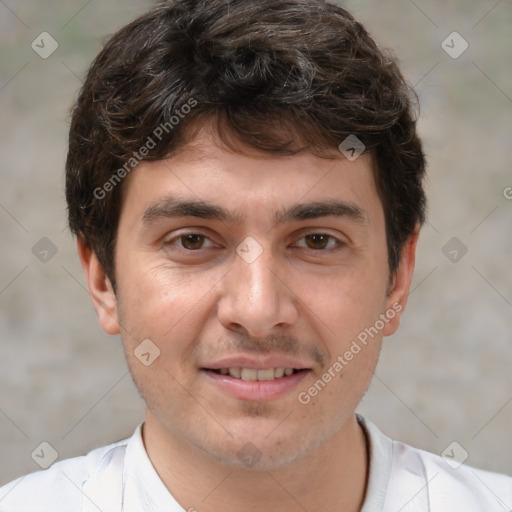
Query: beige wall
[(444, 377)]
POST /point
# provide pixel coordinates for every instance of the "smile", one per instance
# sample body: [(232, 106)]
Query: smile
[(256, 385), (251, 374)]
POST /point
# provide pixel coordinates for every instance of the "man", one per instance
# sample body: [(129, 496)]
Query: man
[(245, 183)]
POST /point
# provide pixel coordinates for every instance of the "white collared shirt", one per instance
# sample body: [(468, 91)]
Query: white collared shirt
[(120, 477)]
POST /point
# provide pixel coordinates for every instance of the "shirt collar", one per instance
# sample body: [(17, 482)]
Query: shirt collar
[(144, 490), (142, 487), (380, 451)]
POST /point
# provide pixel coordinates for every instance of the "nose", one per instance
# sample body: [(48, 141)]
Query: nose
[(256, 299)]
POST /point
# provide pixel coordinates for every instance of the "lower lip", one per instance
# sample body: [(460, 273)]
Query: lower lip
[(257, 391)]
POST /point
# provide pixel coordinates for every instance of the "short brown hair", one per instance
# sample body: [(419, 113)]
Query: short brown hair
[(283, 76)]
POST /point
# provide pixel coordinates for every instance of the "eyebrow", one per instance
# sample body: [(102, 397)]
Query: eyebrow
[(173, 207)]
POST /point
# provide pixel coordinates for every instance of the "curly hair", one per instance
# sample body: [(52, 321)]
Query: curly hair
[(282, 76)]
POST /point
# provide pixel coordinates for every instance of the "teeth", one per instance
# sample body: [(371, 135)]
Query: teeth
[(249, 374), (235, 372), (266, 374), (278, 373), (252, 374)]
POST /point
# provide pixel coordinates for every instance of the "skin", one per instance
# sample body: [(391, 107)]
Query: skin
[(304, 297)]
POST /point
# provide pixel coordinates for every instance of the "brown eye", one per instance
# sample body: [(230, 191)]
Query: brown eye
[(188, 242), (317, 241), (192, 242)]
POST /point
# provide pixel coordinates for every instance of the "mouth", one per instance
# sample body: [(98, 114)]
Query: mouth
[(253, 384), (252, 374)]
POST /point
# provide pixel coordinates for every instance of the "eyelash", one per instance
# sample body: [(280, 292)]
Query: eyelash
[(338, 242)]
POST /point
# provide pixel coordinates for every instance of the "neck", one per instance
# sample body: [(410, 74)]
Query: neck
[(333, 478)]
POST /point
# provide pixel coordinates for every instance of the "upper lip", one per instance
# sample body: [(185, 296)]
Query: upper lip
[(256, 363)]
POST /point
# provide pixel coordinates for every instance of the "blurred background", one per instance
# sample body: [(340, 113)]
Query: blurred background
[(444, 377)]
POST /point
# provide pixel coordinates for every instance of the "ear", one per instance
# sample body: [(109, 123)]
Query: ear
[(100, 288), (399, 290)]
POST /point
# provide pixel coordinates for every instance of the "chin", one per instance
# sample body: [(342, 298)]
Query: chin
[(261, 449), (256, 458)]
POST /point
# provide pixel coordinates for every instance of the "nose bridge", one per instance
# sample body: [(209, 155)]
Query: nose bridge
[(252, 281), (254, 298), (256, 281)]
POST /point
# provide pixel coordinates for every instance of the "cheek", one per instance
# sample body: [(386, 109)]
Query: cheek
[(345, 307), (344, 302), (165, 305), (168, 308)]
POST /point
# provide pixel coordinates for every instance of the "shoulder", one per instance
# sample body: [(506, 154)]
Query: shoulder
[(60, 487), (412, 480), (419, 477)]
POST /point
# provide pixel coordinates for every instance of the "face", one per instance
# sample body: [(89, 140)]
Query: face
[(262, 284)]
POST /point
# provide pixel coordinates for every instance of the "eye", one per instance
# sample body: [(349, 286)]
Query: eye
[(320, 241), (196, 241), (190, 241)]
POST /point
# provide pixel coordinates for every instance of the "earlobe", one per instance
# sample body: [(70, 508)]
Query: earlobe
[(100, 289), (399, 293)]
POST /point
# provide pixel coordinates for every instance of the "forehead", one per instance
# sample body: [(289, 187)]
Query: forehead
[(250, 181)]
